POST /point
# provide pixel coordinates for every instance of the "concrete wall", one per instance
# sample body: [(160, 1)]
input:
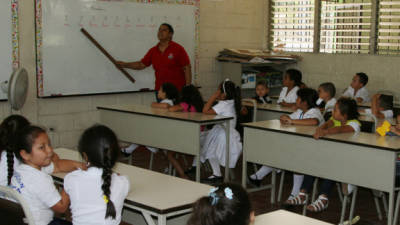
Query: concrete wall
[(383, 71), (229, 23)]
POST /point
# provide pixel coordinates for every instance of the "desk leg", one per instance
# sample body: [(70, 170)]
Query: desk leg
[(391, 204), (149, 219), (198, 158), (162, 220), (244, 168), (227, 131)]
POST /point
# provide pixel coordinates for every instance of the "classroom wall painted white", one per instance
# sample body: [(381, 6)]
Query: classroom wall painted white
[(223, 24)]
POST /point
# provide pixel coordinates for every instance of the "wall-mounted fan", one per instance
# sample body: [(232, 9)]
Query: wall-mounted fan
[(16, 88)]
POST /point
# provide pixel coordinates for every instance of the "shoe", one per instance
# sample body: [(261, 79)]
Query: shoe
[(191, 170), (300, 199), (213, 179), (126, 155), (319, 205), (255, 182)]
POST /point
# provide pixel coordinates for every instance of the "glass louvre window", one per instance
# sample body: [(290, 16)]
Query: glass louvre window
[(389, 27), (292, 25), (345, 26)]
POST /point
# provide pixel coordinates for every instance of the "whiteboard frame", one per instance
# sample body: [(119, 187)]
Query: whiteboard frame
[(39, 42)]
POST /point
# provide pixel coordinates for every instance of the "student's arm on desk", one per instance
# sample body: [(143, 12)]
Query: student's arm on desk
[(160, 105), (333, 130), (175, 108), (65, 165)]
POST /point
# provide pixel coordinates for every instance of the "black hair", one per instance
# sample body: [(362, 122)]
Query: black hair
[(263, 83), (170, 92), (329, 87), (232, 92), (348, 106), (8, 134), (308, 95), (363, 78), (170, 28), (25, 139), (100, 145), (295, 75), (386, 102), (191, 95), (224, 211)]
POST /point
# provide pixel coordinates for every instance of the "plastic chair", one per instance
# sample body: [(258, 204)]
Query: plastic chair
[(9, 194)]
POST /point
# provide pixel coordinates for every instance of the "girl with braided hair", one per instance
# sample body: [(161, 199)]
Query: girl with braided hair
[(97, 195), (36, 160), (8, 130)]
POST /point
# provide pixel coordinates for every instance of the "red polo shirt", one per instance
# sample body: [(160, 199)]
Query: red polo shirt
[(168, 65)]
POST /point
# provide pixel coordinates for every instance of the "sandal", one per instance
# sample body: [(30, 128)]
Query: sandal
[(300, 199), (318, 205)]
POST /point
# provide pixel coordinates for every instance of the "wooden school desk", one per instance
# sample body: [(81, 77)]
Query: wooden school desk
[(283, 217), (176, 131), (362, 159), (152, 193)]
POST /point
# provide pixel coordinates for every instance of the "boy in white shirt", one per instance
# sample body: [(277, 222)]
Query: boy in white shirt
[(381, 106), (357, 89)]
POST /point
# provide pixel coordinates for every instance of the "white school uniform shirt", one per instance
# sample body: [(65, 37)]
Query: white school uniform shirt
[(290, 97), (330, 105), (214, 146), (362, 93), (386, 113), (38, 190), (168, 101), (4, 168), (310, 114), (87, 203)]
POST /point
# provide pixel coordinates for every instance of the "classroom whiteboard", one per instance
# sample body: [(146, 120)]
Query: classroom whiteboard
[(8, 41), (69, 64)]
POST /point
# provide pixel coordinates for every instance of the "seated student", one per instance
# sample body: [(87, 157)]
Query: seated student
[(291, 82), (396, 128), (262, 91), (190, 101), (168, 94), (98, 194), (308, 115), (225, 204), (381, 106), (36, 186), (343, 120), (228, 101), (357, 89), (326, 93)]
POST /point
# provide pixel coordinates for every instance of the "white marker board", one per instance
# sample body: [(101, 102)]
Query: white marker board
[(6, 42), (69, 64)]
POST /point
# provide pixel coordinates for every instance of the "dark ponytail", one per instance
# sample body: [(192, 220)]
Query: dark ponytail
[(8, 134), (100, 145), (232, 92)]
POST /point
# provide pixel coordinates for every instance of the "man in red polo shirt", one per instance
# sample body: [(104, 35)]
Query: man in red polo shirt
[(169, 59)]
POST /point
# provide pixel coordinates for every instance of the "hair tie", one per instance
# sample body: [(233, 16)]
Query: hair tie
[(223, 84), (105, 199), (228, 193), (213, 196)]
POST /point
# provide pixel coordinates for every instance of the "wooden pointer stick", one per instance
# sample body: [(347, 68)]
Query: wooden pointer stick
[(107, 54)]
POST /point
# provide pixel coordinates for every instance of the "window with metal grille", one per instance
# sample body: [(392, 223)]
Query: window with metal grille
[(292, 25), (389, 27), (345, 26)]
